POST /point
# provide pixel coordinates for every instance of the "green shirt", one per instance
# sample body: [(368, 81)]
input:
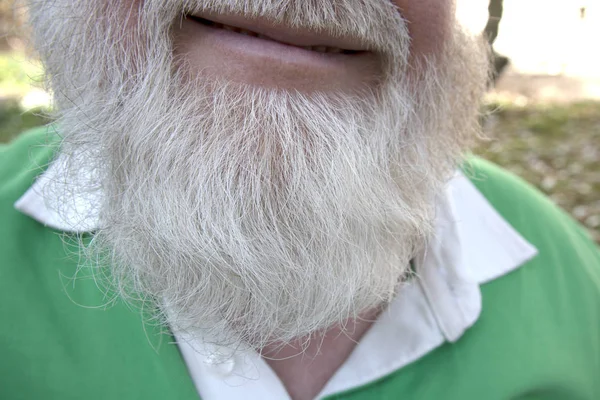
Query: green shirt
[(538, 335)]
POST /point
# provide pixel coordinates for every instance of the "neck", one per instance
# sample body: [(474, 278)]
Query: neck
[(305, 366)]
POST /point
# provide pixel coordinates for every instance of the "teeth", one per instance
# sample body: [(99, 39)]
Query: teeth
[(323, 49), (318, 49), (247, 33), (237, 30)]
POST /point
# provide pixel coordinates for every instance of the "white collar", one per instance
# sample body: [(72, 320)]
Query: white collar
[(473, 245)]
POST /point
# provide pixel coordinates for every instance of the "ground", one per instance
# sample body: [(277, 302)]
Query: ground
[(556, 148)]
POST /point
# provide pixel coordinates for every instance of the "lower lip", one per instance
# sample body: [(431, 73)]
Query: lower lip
[(246, 59)]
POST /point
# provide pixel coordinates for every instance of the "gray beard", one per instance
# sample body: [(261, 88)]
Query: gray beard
[(250, 215)]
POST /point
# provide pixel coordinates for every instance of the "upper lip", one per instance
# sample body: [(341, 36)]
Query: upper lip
[(285, 34)]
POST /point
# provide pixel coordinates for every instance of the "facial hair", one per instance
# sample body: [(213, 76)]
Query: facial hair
[(245, 214)]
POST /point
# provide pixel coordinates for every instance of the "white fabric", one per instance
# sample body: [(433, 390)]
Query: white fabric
[(79, 214), (473, 245)]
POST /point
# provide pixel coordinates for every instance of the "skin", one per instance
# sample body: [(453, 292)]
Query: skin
[(304, 375), (429, 23)]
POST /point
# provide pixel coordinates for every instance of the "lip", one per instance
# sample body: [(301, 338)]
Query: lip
[(285, 34), (278, 61)]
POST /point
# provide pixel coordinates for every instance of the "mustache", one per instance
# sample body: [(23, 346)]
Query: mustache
[(377, 24)]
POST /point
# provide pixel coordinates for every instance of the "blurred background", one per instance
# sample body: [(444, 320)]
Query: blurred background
[(542, 114)]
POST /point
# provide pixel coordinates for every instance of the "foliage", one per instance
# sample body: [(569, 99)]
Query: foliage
[(555, 147), (17, 74), (13, 120)]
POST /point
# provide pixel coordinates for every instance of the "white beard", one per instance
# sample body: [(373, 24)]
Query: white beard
[(248, 214)]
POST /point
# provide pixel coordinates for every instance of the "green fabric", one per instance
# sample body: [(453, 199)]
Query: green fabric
[(60, 339), (538, 336)]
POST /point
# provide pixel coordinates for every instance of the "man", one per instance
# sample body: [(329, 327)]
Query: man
[(260, 199)]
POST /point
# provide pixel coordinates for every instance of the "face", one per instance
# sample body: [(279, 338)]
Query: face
[(261, 185)]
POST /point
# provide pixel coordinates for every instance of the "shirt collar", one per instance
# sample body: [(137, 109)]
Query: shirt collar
[(473, 244), (78, 211)]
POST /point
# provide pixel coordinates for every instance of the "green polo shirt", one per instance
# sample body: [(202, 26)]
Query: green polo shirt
[(538, 336)]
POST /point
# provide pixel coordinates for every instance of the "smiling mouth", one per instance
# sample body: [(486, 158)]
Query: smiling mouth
[(319, 48), (272, 54)]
